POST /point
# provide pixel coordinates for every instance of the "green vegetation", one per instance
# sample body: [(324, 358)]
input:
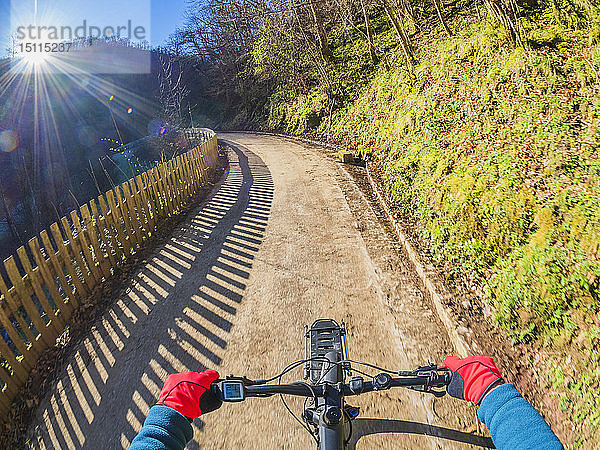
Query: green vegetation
[(495, 150)]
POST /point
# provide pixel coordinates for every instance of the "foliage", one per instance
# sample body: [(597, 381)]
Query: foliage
[(579, 382)]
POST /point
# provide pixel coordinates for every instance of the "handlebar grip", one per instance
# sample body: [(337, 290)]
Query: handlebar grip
[(210, 400)]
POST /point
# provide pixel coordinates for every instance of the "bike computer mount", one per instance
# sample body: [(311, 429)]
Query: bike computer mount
[(231, 389), (324, 336)]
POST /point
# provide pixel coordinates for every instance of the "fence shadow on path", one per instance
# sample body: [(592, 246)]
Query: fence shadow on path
[(175, 316), (365, 427)]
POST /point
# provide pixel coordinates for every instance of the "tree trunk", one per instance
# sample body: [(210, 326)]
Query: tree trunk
[(322, 36), (401, 34), (409, 13), (369, 35), (438, 8), (506, 12)]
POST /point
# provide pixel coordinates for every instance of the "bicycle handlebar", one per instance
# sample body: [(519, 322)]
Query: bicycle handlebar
[(305, 390), (357, 386)]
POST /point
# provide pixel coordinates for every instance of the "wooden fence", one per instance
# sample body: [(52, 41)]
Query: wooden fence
[(47, 280)]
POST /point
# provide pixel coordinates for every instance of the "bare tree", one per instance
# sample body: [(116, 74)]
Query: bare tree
[(438, 9), (401, 33), (369, 34), (172, 91), (11, 48), (321, 34), (507, 13)]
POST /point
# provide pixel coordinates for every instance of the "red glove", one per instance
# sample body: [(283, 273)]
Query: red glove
[(472, 378), (189, 393)]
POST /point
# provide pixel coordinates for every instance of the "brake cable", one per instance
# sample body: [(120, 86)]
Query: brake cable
[(305, 426), (289, 368)]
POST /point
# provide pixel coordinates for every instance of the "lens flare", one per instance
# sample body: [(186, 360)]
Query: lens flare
[(8, 141), (155, 126)]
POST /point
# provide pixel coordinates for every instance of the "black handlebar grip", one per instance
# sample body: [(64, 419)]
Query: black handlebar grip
[(209, 401)]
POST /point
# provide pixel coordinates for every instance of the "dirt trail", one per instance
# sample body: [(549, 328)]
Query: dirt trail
[(284, 239)]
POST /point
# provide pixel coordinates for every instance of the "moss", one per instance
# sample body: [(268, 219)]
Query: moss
[(496, 152)]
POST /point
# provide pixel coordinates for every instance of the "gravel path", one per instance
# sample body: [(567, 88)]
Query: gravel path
[(284, 239)]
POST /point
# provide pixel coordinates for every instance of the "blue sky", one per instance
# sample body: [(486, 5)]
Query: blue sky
[(165, 15)]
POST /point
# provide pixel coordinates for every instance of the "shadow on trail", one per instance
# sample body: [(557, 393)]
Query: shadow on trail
[(365, 427), (175, 316)]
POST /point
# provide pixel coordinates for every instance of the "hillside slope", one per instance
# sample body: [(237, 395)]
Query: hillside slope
[(494, 150)]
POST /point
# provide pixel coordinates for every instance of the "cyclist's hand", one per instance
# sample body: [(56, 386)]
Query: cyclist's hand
[(189, 393), (472, 378)]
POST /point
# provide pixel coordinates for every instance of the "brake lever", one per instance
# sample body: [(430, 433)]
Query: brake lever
[(424, 371), (428, 390), (438, 377), (413, 373)]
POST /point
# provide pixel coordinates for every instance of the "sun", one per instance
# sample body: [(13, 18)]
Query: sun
[(35, 58)]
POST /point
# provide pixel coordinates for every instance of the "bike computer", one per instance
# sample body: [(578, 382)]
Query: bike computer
[(232, 391)]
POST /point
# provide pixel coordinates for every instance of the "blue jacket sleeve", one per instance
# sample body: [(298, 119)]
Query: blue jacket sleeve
[(164, 429), (513, 423)]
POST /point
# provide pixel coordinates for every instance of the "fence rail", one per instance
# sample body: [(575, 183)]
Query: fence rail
[(47, 280)]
